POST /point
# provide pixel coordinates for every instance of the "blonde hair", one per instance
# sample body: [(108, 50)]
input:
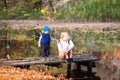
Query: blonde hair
[(65, 36)]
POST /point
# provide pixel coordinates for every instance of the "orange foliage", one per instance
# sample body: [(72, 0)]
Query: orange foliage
[(12, 73), (110, 55), (117, 53)]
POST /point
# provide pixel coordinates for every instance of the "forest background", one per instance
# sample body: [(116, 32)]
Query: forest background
[(67, 10)]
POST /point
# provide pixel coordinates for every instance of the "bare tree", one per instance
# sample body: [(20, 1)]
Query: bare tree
[(38, 4), (4, 3)]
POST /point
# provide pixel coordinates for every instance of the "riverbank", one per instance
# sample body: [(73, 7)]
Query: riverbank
[(16, 24)]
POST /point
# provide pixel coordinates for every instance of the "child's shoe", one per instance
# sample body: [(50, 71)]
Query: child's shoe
[(48, 59), (43, 59), (68, 60), (71, 59)]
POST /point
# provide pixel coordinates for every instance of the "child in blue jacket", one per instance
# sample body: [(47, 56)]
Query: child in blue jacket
[(44, 42)]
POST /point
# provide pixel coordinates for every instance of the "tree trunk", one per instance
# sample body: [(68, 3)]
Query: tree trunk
[(38, 4), (4, 3)]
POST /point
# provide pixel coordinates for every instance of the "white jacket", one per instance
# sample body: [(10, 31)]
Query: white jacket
[(65, 46)]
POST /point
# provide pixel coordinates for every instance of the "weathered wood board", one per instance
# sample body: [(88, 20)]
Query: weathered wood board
[(52, 60)]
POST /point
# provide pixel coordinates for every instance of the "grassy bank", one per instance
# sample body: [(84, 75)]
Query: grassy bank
[(90, 10), (23, 44)]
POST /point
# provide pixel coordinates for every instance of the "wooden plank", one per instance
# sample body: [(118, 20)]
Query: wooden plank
[(53, 60), (29, 62), (84, 58)]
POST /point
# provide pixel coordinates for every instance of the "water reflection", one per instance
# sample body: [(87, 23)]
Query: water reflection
[(83, 75)]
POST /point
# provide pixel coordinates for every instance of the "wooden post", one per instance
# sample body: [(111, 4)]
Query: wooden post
[(4, 37), (68, 69), (89, 68), (78, 66)]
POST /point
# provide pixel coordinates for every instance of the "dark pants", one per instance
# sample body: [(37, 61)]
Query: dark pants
[(45, 50)]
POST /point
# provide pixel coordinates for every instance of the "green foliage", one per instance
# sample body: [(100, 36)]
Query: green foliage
[(91, 10), (19, 13), (20, 10), (84, 10)]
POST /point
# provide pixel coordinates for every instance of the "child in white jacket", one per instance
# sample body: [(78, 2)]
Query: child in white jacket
[(65, 46)]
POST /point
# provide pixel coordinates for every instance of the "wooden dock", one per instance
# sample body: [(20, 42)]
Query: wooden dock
[(85, 60)]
